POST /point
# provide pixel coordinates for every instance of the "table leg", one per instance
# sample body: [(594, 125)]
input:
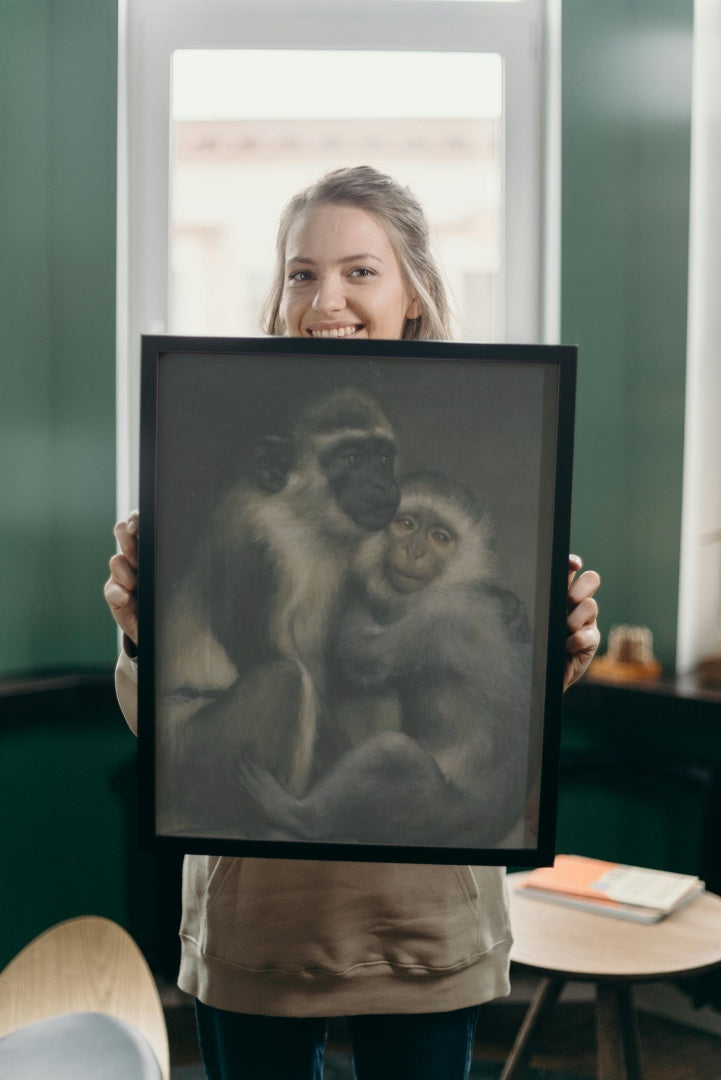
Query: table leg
[(545, 997), (617, 1033)]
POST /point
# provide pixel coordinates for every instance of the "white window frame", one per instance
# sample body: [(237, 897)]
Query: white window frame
[(699, 597), (526, 34)]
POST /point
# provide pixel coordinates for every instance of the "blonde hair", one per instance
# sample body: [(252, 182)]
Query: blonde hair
[(403, 217)]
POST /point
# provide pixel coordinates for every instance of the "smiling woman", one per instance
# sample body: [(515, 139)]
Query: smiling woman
[(353, 259)]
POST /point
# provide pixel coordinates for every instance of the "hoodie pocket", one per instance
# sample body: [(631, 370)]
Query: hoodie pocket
[(297, 916)]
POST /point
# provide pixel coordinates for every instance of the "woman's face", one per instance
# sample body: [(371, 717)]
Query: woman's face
[(342, 277)]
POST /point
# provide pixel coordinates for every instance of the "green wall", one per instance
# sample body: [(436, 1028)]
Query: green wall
[(67, 772), (58, 72), (626, 146)]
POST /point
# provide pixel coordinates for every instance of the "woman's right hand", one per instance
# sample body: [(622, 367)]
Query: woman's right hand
[(121, 587)]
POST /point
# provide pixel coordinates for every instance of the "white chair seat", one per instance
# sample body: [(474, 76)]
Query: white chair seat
[(78, 1046)]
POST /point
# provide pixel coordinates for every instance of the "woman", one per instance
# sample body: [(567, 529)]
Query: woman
[(271, 948)]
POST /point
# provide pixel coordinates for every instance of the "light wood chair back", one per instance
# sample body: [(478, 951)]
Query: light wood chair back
[(87, 964)]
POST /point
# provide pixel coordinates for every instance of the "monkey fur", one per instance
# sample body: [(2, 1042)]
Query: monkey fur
[(241, 663), (423, 644)]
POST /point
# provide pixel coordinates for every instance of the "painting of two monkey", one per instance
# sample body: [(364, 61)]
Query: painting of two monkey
[(351, 605)]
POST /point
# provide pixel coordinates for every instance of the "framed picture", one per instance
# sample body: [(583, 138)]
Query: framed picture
[(352, 597)]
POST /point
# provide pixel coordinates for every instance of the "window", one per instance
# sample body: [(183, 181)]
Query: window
[(236, 161), (227, 107)]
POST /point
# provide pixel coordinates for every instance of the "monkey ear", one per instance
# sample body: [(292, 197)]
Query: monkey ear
[(272, 459)]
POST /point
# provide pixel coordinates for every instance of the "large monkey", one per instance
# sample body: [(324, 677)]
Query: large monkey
[(243, 657), (424, 622)]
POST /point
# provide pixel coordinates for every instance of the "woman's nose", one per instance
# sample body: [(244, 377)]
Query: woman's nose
[(329, 296)]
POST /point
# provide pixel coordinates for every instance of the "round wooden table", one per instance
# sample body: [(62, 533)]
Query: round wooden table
[(562, 944)]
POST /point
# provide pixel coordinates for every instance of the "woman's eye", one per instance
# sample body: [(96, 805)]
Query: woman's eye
[(300, 276), (362, 272)]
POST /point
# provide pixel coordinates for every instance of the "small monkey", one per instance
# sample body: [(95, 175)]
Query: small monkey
[(425, 622)]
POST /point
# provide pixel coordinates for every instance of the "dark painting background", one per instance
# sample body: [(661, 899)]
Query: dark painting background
[(481, 422), (489, 423)]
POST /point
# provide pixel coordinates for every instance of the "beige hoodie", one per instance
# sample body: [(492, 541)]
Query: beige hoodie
[(284, 937)]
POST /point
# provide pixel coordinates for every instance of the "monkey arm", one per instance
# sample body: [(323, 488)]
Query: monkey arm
[(264, 715), (390, 790), (436, 634), (513, 611), (358, 649)]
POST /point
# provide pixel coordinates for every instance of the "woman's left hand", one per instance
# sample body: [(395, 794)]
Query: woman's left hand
[(583, 636)]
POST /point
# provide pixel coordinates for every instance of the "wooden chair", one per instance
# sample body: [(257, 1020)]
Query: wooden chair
[(87, 967)]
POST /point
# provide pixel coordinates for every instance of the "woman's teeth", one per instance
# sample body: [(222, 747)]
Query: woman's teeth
[(337, 331)]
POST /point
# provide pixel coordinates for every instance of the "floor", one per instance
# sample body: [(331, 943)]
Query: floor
[(669, 1051)]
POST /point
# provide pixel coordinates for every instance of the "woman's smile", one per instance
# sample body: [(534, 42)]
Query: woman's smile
[(335, 331)]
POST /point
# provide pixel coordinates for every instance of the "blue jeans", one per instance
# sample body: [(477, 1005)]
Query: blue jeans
[(417, 1046)]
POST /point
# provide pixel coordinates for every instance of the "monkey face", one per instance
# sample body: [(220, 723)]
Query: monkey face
[(359, 470), (420, 547)]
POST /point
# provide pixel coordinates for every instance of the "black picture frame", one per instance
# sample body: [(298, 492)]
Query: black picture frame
[(497, 419)]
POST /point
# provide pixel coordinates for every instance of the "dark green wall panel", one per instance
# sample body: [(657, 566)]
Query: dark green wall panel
[(626, 145), (26, 490), (61, 788), (68, 801), (58, 79)]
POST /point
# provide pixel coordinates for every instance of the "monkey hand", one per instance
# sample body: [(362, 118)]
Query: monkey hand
[(269, 795), (582, 633), (120, 589)]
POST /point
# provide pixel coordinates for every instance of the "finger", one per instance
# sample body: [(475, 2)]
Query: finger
[(584, 613), (583, 641), (575, 562), (117, 597), (123, 572), (126, 534), (576, 666), (127, 542), (585, 585), (123, 608)]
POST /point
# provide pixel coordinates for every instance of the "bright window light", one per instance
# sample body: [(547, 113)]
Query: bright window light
[(251, 127)]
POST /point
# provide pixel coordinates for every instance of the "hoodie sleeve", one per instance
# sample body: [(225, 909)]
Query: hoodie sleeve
[(126, 688)]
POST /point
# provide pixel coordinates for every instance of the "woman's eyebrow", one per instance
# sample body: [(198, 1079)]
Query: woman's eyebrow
[(362, 256)]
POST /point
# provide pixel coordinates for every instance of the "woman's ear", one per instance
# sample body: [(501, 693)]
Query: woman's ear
[(415, 309)]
